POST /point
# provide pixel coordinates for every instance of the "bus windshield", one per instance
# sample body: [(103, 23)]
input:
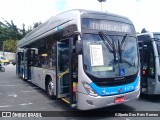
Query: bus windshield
[(157, 36), (102, 59)]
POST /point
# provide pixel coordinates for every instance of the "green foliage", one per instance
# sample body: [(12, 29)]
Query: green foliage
[(36, 24), (144, 30), (10, 45), (9, 31), (11, 34)]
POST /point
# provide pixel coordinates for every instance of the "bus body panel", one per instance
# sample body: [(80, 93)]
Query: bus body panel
[(60, 23), (153, 84), (86, 102), (99, 101), (39, 76)]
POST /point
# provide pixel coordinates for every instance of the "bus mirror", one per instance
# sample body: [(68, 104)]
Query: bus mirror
[(35, 49), (79, 46), (78, 33), (36, 52)]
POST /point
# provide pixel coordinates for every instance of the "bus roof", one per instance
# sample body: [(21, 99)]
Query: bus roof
[(51, 25), (148, 36), (148, 33)]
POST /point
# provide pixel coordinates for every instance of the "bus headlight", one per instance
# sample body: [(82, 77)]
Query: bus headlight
[(89, 89)]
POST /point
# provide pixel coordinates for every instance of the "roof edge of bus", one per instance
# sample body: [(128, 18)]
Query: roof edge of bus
[(147, 33), (72, 10), (82, 10)]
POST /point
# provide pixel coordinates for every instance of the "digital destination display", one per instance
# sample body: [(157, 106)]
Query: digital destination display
[(96, 24)]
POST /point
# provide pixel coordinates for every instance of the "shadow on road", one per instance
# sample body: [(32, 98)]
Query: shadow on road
[(150, 98)]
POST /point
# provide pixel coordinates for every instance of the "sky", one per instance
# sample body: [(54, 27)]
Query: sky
[(143, 13)]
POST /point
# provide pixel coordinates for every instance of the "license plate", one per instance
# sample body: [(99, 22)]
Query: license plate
[(119, 99)]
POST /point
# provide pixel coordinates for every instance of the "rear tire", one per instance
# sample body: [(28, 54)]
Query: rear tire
[(50, 89)]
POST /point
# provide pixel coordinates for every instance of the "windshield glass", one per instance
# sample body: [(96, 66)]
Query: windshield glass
[(158, 47), (157, 36), (100, 61)]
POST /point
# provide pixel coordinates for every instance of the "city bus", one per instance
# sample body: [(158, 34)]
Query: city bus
[(149, 48), (89, 59)]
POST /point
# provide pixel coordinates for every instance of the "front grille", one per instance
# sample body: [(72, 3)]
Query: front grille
[(101, 82), (115, 82)]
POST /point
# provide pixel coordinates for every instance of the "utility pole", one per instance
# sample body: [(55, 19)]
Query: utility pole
[(101, 3)]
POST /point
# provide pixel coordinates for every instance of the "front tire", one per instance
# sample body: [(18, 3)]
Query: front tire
[(50, 89)]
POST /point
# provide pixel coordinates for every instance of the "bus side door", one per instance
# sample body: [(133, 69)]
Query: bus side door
[(147, 67)]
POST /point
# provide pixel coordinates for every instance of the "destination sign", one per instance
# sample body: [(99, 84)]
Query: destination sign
[(105, 25)]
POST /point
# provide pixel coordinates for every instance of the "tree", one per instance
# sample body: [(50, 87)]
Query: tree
[(144, 30), (36, 24), (9, 31), (10, 45), (11, 34)]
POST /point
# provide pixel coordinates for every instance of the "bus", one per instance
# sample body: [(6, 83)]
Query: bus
[(149, 48), (89, 59)]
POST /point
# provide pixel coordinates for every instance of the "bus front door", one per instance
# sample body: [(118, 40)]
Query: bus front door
[(62, 69), (64, 85)]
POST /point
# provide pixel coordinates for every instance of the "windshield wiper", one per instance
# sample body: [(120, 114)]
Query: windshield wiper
[(109, 45), (122, 60), (121, 45)]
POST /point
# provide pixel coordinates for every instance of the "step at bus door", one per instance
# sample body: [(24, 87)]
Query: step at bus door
[(64, 87)]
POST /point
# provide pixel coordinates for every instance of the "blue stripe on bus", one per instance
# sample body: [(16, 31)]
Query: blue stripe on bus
[(104, 91)]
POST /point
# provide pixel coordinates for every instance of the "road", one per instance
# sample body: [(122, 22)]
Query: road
[(20, 95)]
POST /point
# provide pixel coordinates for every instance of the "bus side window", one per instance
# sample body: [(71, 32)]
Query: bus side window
[(151, 69), (145, 56)]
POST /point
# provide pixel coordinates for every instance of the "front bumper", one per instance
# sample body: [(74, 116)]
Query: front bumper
[(87, 102)]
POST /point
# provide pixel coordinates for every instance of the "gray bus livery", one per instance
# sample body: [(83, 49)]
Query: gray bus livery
[(149, 47), (89, 59)]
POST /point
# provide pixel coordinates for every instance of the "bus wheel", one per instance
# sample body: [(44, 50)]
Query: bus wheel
[(50, 89)]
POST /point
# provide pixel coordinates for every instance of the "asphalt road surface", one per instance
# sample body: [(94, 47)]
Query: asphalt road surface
[(20, 95)]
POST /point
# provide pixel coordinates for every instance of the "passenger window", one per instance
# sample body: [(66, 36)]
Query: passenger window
[(151, 70)]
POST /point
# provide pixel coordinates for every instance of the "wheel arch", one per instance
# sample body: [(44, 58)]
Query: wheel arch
[(47, 78)]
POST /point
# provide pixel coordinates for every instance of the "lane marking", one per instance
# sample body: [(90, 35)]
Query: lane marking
[(7, 106), (13, 95), (26, 104), (16, 105)]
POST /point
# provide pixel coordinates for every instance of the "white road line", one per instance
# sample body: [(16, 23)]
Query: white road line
[(15, 105), (13, 95), (26, 104), (7, 106)]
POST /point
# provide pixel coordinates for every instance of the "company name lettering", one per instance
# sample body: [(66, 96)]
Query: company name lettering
[(109, 27)]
